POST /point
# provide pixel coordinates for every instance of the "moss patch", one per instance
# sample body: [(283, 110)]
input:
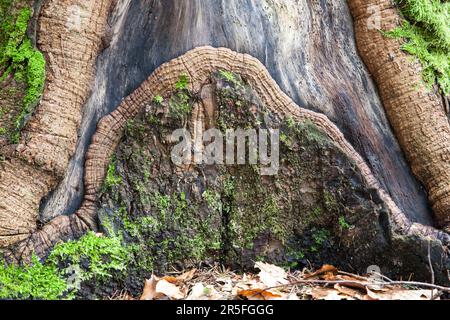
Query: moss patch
[(426, 30), (34, 281), (22, 67), (60, 276)]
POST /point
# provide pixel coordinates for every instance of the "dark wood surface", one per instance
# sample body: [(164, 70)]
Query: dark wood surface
[(307, 46)]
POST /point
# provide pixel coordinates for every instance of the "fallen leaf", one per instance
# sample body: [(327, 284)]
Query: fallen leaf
[(170, 279), (351, 282), (200, 292), (150, 292), (258, 294), (271, 275), (169, 289), (197, 292), (187, 276), (292, 296), (352, 292), (402, 294), (227, 285), (326, 269), (320, 293)]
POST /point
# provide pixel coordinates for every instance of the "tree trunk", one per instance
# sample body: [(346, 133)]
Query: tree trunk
[(417, 115), (347, 176)]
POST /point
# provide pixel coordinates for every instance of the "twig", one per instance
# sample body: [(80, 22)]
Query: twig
[(430, 263), (400, 283), (382, 276), (431, 268)]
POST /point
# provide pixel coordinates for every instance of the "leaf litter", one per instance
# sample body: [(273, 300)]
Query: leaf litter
[(271, 282)]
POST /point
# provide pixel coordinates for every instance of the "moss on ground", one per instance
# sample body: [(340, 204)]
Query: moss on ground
[(91, 258), (426, 30), (33, 281)]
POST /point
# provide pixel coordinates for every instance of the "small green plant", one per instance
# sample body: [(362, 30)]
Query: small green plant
[(290, 122), (230, 77), (112, 178), (227, 75), (213, 199), (319, 237), (158, 99), (343, 224), (162, 203), (179, 105), (182, 82)]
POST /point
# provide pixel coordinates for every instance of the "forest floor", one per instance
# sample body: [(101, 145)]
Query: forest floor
[(274, 283)]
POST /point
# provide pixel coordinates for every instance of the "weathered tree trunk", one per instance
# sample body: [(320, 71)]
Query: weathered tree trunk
[(302, 62), (417, 114)]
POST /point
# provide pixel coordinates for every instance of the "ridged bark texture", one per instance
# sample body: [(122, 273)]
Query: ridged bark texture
[(416, 113), (70, 37), (198, 64)]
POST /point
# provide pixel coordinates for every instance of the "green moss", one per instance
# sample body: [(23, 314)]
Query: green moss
[(102, 256), (213, 199), (191, 236), (112, 178), (182, 82), (343, 224), (158, 99), (20, 58), (90, 257), (320, 237), (330, 201), (33, 281), (180, 105), (426, 30), (231, 78)]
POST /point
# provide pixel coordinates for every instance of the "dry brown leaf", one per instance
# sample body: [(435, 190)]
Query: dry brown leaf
[(170, 279), (351, 282), (319, 293), (326, 269), (150, 292), (187, 276), (169, 289), (271, 275), (258, 294), (201, 292), (357, 294), (402, 294)]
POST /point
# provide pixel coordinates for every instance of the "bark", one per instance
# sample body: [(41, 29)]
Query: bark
[(416, 113), (70, 36), (321, 77), (308, 48)]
